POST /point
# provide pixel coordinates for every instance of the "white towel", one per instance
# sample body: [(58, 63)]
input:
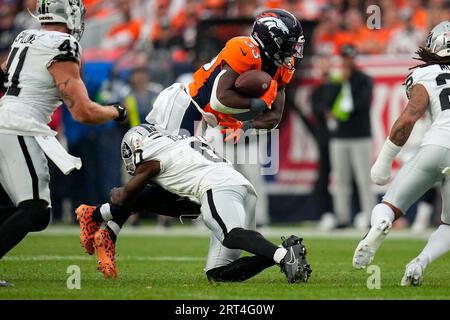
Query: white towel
[(347, 98), (55, 151)]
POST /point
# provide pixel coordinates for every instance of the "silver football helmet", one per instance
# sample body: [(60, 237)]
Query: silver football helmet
[(438, 40), (70, 12), (133, 143)]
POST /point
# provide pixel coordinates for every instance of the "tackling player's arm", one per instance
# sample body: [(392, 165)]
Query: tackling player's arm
[(66, 75), (227, 96), (400, 132), (144, 173)]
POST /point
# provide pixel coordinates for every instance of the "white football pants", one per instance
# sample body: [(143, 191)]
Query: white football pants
[(222, 211), (23, 169), (418, 175)]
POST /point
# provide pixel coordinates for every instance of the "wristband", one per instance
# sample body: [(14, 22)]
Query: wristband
[(389, 151), (257, 104)]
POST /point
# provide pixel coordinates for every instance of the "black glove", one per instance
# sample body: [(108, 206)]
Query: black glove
[(122, 112)]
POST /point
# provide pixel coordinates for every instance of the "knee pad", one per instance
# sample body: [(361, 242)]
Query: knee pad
[(37, 212)]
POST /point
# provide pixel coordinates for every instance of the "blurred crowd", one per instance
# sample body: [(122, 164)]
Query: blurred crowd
[(173, 23), (402, 26), (150, 44)]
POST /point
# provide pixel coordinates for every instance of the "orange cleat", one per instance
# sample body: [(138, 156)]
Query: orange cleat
[(106, 251), (88, 227)]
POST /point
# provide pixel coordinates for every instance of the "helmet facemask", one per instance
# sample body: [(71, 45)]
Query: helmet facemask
[(128, 158), (76, 13), (440, 44), (438, 40), (292, 48)]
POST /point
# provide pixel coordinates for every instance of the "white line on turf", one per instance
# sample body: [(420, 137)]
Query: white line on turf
[(186, 231), (87, 258)]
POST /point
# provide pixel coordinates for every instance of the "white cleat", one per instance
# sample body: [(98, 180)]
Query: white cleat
[(367, 247), (413, 274)]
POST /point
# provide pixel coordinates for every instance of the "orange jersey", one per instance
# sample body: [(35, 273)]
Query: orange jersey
[(242, 55)]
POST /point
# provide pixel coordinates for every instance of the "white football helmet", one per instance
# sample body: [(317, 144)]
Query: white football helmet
[(438, 40), (134, 141), (70, 12)]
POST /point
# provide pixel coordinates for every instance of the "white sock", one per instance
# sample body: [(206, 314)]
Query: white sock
[(105, 211), (381, 212), (279, 255), (438, 244), (114, 227)]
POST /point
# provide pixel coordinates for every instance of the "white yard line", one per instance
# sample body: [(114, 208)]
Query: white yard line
[(188, 231)]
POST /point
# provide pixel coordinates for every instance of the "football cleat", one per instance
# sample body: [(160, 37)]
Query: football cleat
[(367, 247), (413, 274), (4, 283), (106, 253), (88, 227), (294, 264)]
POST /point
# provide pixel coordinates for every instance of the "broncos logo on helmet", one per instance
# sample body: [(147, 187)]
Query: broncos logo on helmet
[(274, 23)]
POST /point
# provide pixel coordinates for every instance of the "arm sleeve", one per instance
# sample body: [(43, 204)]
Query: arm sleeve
[(241, 55)]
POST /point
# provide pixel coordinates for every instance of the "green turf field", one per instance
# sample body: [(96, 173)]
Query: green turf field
[(161, 267)]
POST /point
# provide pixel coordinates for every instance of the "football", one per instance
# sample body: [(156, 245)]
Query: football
[(253, 83)]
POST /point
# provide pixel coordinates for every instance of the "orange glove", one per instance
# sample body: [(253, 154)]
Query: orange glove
[(232, 129), (271, 94)]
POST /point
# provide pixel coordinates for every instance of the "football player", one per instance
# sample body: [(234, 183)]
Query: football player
[(188, 167), (42, 68), (428, 89), (274, 46)]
